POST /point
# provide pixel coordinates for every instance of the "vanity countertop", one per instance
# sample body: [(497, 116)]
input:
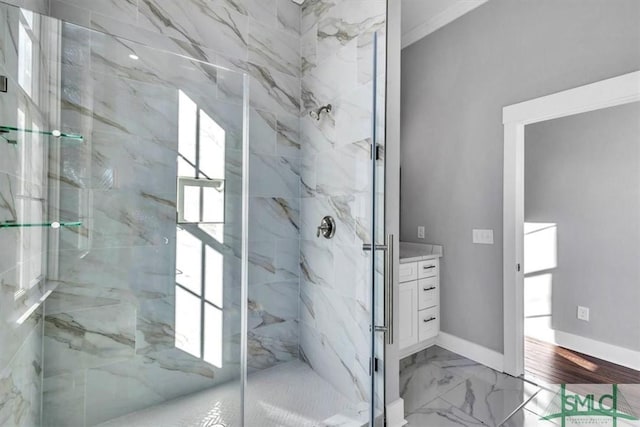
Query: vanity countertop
[(412, 252)]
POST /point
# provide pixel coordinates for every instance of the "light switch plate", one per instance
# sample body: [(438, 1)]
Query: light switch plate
[(483, 237), (420, 232)]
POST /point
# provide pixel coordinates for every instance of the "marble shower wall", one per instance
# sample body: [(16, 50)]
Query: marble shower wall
[(109, 325), (23, 200), (261, 38), (337, 68)]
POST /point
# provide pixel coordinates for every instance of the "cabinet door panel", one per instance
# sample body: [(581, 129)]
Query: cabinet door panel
[(408, 321), (408, 272)]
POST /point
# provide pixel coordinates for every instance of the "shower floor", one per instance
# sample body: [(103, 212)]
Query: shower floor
[(287, 395)]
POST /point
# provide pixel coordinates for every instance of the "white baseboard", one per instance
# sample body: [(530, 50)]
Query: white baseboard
[(609, 352), (473, 351), (395, 414)]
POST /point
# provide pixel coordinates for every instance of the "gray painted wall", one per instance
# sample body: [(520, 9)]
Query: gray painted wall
[(583, 174), (455, 83)]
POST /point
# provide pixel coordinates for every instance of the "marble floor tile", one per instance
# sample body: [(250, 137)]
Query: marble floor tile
[(491, 402), (441, 414), (424, 383), (526, 418)]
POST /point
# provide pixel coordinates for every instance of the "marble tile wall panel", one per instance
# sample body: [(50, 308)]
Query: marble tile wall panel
[(21, 381), (337, 68), (277, 49), (88, 338), (40, 6), (63, 400)]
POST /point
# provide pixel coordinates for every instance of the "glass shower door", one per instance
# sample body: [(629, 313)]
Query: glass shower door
[(121, 180), (381, 278)]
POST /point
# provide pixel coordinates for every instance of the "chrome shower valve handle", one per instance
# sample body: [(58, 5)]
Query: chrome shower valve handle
[(327, 227)]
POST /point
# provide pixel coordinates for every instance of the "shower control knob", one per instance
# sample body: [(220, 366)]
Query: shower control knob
[(327, 227)]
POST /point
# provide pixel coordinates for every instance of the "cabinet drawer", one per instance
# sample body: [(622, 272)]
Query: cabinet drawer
[(428, 323), (408, 271), (428, 268), (428, 293)]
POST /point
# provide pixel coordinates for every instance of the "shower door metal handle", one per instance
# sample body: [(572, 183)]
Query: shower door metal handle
[(388, 286), (387, 328)]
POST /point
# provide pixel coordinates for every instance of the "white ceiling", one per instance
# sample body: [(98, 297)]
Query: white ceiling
[(422, 17)]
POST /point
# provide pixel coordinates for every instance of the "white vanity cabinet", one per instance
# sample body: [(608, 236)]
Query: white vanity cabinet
[(419, 304)]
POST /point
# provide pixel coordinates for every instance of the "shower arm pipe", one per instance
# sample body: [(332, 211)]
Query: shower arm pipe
[(316, 114)]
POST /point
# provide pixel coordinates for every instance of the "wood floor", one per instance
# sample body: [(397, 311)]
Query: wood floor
[(557, 365)]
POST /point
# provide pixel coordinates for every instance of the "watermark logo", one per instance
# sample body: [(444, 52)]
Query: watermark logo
[(589, 409)]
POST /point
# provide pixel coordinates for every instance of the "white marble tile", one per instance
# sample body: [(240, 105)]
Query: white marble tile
[(274, 176), (274, 91), (308, 48), (442, 414), (346, 21), (133, 107), (273, 218), (525, 418), (345, 171), (332, 77), (490, 402), (140, 271), (123, 10), (272, 304), (288, 135), (59, 9), (63, 400), (333, 363), (39, 6), (264, 351), (21, 381), (262, 12), (12, 335), (289, 15), (316, 262), (110, 161), (155, 324), (88, 338), (354, 115), (312, 12), (262, 132), (214, 26), (69, 297), (423, 384), (273, 261), (274, 48)]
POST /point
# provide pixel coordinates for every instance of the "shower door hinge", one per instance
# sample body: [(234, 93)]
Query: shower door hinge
[(518, 267), (374, 365), (3, 84), (378, 150)]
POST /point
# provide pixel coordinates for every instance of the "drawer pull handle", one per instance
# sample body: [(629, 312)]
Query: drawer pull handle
[(428, 267), (429, 319), (429, 289)]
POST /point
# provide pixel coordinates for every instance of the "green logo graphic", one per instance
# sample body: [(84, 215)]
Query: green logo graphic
[(583, 409)]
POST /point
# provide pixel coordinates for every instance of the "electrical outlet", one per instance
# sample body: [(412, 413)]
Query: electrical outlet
[(420, 232), (583, 313), (483, 237)]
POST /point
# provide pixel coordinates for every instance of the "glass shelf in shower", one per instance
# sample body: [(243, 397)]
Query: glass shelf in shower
[(6, 131), (53, 224)]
